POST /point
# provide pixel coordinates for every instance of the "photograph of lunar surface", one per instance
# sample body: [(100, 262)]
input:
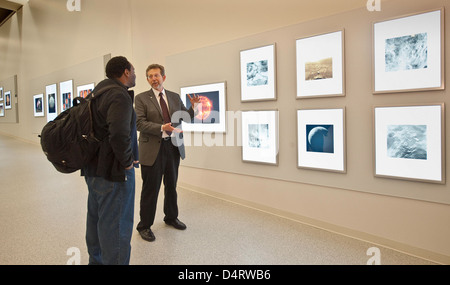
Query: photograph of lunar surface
[(258, 136), (407, 52), (407, 141), (257, 73)]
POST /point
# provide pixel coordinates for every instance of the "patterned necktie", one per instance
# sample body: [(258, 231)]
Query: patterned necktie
[(165, 111)]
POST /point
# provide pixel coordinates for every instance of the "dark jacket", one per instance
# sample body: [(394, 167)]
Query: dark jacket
[(115, 123)]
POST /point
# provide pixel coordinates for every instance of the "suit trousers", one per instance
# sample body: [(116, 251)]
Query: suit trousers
[(165, 167)]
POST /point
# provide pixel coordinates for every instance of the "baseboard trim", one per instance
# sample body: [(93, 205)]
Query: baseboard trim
[(375, 240)]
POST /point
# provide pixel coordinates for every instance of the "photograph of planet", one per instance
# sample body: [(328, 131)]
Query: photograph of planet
[(51, 103), (38, 105), (320, 138)]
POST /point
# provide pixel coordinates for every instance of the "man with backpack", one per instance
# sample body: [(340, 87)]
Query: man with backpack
[(110, 174)]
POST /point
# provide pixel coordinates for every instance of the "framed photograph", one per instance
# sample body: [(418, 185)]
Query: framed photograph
[(2, 109), (320, 65), (408, 53), (260, 137), (84, 90), (321, 139), (1, 93), (66, 93), (258, 74), (8, 100), (211, 110), (409, 142), (38, 102), (52, 101)]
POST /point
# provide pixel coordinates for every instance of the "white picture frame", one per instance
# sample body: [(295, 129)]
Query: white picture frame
[(211, 115), (260, 136), (321, 65), (409, 142), (84, 90), (408, 53), (321, 139), (258, 74)]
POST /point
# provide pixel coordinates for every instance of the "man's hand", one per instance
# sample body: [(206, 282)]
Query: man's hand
[(132, 165), (195, 99), (169, 128)]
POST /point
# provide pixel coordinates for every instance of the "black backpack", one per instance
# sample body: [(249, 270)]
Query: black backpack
[(69, 141)]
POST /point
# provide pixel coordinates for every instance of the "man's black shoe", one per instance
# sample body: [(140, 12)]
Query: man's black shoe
[(147, 235), (176, 224)]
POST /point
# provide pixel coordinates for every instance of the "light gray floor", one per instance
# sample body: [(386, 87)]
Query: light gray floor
[(42, 216)]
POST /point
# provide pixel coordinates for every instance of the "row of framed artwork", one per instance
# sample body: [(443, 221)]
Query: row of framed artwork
[(409, 141), (5, 101), (49, 102), (407, 56)]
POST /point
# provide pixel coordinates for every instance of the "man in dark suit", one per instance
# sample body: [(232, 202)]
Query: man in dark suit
[(160, 146)]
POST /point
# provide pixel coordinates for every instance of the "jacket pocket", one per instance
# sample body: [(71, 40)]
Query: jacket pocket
[(143, 138)]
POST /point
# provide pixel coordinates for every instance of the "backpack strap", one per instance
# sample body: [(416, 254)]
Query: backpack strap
[(90, 97)]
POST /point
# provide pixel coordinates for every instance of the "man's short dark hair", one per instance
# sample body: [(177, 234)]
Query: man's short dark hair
[(116, 67), (156, 66)]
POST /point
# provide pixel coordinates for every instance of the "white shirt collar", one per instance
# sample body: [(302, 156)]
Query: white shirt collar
[(156, 92)]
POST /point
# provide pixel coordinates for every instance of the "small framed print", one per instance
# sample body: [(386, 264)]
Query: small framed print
[(52, 101), (409, 142), (66, 93), (408, 53), (258, 74), (320, 65), (8, 100), (260, 137), (321, 139), (211, 115), (2, 109), (84, 90), (1, 93), (38, 102)]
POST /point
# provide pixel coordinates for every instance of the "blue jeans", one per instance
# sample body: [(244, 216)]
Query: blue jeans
[(109, 225)]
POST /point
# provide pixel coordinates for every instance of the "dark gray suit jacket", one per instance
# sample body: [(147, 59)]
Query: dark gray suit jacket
[(149, 120)]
